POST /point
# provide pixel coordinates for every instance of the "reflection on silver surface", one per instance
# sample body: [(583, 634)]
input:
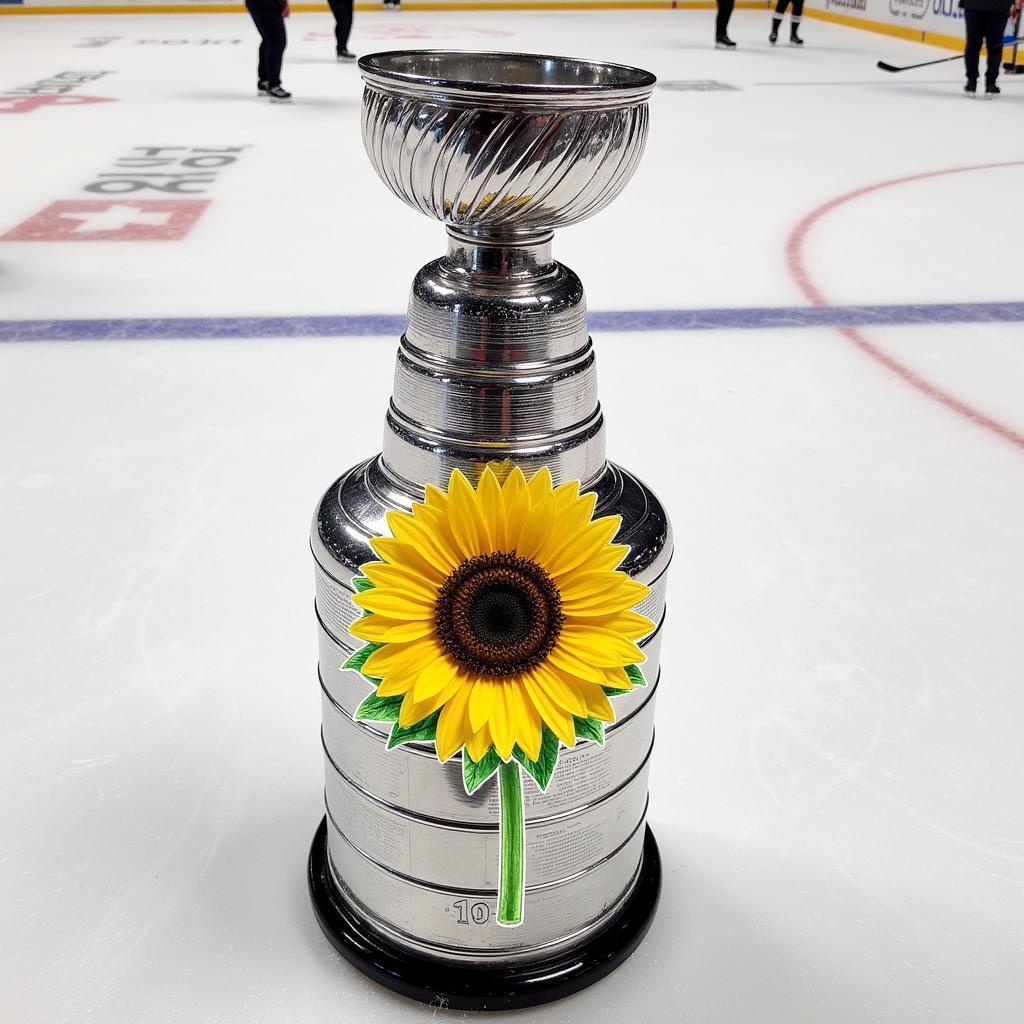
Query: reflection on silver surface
[(411, 778), (353, 510), (463, 855), (460, 923)]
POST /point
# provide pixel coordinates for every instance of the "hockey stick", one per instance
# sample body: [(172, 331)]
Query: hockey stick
[(1008, 41)]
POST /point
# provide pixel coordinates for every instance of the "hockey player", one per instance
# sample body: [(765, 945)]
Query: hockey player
[(794, 22), (269, 17)]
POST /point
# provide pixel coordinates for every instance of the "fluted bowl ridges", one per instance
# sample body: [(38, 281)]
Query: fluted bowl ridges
[(503, 143)]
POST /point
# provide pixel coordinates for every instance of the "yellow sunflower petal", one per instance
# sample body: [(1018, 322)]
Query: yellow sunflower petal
[(584, 584), (377, 629), (517, 506), (396, 685), (539, 486), (492, 507), (398, 554), (572, 516), (631, 625), (401, 670), (568, 495), (617, 678), (401, 657), (595, 646), (465, 519), (514, 483), (435, 520), (479, 743), (399, 577), (567, 660), (453, 725), (598, 705), (526, 718), (575, 518), (404, 679), (575, 509), (481, 703), (610, 585), (563, 688), (535, 529), (410, 713), (395, 605), (414, 711), (557, 719), (598, 610), (428, 542), (583, 546), (501, 724), (608, 558), (434, 497), (434, 677), (600, 593)]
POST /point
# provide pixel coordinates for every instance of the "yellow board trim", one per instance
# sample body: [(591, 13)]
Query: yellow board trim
[(425, 5), (915, 35)]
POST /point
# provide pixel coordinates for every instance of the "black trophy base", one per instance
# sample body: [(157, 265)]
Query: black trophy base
[(480, 986)]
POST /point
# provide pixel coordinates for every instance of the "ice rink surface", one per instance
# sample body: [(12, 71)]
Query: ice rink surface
[(823, 380)]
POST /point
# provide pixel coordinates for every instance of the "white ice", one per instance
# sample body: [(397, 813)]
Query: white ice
[(837, 788)]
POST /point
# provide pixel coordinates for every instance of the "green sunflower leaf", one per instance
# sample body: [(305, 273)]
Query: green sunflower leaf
[(379, 709), (476, 773), (358, 660), (361, 583), (418, 732), (543, 768), (610, 691), (589, 729), (636, 677)]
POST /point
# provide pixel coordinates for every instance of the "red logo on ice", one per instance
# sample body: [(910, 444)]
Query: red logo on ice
[(26, 104), (104, 220)]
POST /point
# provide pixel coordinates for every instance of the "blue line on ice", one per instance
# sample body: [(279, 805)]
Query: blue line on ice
[(877, 81), (238, 327)]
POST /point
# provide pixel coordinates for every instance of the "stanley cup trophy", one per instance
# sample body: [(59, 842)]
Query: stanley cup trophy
[(490, 591)]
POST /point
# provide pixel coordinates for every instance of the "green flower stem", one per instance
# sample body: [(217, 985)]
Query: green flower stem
[(513, 840)]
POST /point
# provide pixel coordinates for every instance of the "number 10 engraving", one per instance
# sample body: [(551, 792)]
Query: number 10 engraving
[(472, 913)]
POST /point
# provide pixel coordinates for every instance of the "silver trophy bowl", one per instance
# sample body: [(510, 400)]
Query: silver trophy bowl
[(495, 364), (503, 144)]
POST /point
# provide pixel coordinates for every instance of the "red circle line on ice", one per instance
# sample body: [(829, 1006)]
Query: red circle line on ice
[(797, 267)]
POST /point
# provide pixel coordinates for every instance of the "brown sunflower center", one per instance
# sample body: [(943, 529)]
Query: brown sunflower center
[(498, 614)]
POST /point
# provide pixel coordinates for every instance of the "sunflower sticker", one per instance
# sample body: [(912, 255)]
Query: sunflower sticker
[(497, 624)]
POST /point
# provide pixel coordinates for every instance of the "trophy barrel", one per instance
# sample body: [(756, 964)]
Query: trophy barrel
[(402, 871)]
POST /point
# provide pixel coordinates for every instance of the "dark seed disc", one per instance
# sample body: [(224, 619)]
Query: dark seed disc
[(498, 614)]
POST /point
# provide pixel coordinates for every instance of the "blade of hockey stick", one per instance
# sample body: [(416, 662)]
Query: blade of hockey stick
[(910, 67)]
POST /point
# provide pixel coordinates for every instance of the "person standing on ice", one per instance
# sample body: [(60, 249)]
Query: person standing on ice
[(269, 17), (794, 22), (984, 20), (722, 40), (342, 11)]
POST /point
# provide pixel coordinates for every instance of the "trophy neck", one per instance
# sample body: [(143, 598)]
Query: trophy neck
[(511, 259), (495, 364)]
